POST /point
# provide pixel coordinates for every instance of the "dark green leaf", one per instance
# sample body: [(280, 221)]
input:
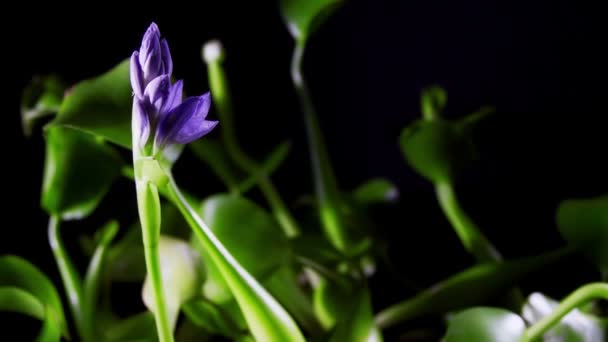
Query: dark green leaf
[(138, 328), (126, 261), (436, 149), (19, 274), (78, 171), (574, 327), (40, 98), (304, 17), (484, 325), (468, 288), (270, 165), (246, 230), (101, 105), (584, 224), (331, 302), (211, 317), (358, 325), (375, 191), (214, 155)]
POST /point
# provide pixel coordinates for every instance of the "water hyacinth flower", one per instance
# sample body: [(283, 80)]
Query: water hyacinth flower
[(159, 114)]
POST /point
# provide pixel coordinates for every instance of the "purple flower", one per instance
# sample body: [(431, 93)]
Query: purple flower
[(158, 109)]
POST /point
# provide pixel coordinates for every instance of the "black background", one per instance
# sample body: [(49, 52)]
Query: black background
[(541, 64)]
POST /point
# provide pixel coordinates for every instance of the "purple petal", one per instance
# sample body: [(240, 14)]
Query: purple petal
[(157, 93), (166, 57), (151, 36), (186, 122), (174, 98), (141, 122), (137, 77)]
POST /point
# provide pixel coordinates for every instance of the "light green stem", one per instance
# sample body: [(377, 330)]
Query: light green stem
[(69, 276), (267, 320), (577, 298), (148, 204), (223, 102), (326, 187)]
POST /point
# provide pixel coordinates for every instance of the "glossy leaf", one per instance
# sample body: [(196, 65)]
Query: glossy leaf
[(378, 190), (245, 229), (18, 273), (485, 324), (358, 324), (180, 268), (468, 288), (303, 17), (574, 327), (78, 172), (436, 149), (101, 105), (42, 97), (584, 224)]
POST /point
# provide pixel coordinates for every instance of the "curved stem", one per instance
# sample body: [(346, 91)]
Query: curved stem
[(148, 204), (579, 297), (69, 276)]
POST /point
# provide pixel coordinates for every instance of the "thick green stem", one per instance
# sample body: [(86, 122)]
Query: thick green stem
[(70, 278), (577, 298), (325, 183), (222, 99), (471, 237), (148, 204), (267, 320)]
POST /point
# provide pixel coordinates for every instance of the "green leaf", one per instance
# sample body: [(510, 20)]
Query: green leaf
[(17, 273), (438, 150), (268, 167), (42, 97), (584, 224), (182, 276), (304, 17), (468, 288), (574, 327), (244, 229), (485, 324), (212, 318), (331, 302), (214, 154), (126, 260), (78, 172), (375, 191), (432, 102), (101, 105), (17, 300), (358, 324), (137, 328)]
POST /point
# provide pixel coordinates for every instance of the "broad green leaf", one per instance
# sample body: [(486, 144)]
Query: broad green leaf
[(584, 224), (471, 287), (358, 325), (378, 190), (438, 150), (180, 268), (42, 97), (126, 260), (18, 273), (245, 229), (101, 105), (574, 327), (304, 17), (78, 172), (432, 102), (484, 324), (17, 300), (137, 328)]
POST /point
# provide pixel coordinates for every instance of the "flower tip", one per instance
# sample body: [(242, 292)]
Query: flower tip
[(153, 29), (213, 51)]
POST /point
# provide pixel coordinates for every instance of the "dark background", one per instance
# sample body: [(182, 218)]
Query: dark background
[(541, 64)]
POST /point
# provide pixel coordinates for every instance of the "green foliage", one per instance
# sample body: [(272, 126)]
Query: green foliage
[(485, 324)]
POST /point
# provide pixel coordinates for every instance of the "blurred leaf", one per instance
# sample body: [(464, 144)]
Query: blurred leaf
[(101, 105), (468, 288), (485, 324), (17, 300), (78, 172), (304, 17), (212, 152), (331, 302), (268, 167), (584, 224), (375, 191), (126, 260), (182, 276), (245, 229), (137, 328), (432, 102), (574, 327), (315, 247), (19, 274), (358, 325), (40, 98), (211, 317), (437, 149)]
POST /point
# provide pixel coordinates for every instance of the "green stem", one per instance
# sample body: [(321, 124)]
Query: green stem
[(148, 204), (575, 299), (70, 278), (222, 99), (326, 187), (471, 237), (267, 320)]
